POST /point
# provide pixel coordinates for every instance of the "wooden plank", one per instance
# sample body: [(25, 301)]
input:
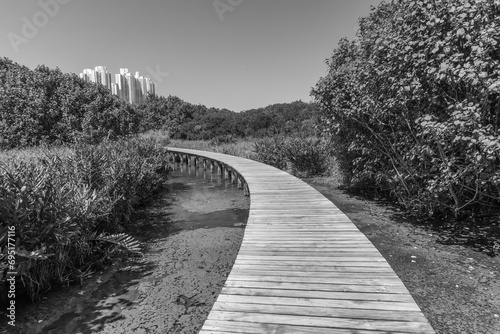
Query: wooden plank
[(333, 264), (406, 316), (312, 302), (317, 253), (381, 281), (307, 267), (303, 267), (308, 273), (338, 243), (239, 327), (305, 247), (331, 295), (326, 322), (317, 286), (323, 260)]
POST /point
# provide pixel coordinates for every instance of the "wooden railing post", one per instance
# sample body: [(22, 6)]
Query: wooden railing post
[(220, 169)]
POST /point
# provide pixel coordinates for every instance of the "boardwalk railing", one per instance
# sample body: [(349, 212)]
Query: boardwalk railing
[(303, 266)]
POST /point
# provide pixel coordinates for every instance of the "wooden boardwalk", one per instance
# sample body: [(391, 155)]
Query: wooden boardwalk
[(303, 267)]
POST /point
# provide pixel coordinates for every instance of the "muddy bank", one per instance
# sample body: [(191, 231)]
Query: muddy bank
[(192, 233), (457, 288)]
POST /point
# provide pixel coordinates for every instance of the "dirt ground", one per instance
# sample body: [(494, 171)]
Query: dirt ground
[(457, 288), (184, 276), (192, 234)]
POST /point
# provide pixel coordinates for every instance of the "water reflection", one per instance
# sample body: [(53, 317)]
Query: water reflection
[(194, 198)]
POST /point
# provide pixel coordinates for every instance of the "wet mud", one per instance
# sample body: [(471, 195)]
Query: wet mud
[(192, 232)]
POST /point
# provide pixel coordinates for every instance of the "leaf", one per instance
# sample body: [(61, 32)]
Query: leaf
[(123, 240)]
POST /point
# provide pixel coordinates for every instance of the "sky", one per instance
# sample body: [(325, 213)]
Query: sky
[(234, 54)]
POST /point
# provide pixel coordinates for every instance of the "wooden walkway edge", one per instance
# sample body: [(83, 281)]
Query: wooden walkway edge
[(303, 266)]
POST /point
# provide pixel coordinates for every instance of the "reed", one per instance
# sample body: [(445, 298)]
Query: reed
[(69, 204)]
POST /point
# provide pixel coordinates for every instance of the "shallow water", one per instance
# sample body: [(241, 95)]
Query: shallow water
[(194, 199)]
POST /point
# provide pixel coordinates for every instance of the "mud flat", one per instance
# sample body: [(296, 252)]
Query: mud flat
[(192, 233)]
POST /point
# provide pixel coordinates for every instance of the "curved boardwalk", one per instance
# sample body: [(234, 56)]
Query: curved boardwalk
[(303, 267)]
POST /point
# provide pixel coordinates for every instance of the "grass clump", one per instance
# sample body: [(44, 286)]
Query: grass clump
[(240, 148), (304, 157), (64, 207)]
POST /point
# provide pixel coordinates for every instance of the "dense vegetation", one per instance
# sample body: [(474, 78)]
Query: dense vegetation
[(197, 122), (69, 203), (300, 156), (46, 106), (68, 206), (413, 105), (409, 109)]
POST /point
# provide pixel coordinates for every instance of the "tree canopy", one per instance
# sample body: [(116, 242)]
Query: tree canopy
[(413, 104)]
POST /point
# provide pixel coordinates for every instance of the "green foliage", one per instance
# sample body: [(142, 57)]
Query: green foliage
[(62, 208), (240, 148), (305, 156), (271, 151), (220, 140), (122, 240), (308, 156), (286, 119), (47, 106), (196, 122), (413, 104)]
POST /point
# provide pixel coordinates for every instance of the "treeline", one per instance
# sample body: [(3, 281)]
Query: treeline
[(413, 105), (197, 122), (46, 106)]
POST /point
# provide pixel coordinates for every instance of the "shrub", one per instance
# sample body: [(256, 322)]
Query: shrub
[(304, 156), (46, 106), (62, 208), (413, 105), (308, 156), (270, 151), (225, 139)]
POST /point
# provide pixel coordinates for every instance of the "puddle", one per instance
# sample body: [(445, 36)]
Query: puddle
[(193, 200)]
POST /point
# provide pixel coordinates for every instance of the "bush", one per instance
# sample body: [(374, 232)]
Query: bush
[(221, 140), (270, 151), (413, 105), (308, 157), (304, 156), (62, 206), (46, 106)]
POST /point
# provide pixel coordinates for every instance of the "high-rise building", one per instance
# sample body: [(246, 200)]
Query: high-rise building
[(132, 96), (103, 76), (88, 75), (120, 82), (151, 87), (114, 89), (128, 87)]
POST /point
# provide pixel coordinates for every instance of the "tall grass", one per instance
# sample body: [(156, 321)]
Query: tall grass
[(63, 202), (303, 157), (240, 148)]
